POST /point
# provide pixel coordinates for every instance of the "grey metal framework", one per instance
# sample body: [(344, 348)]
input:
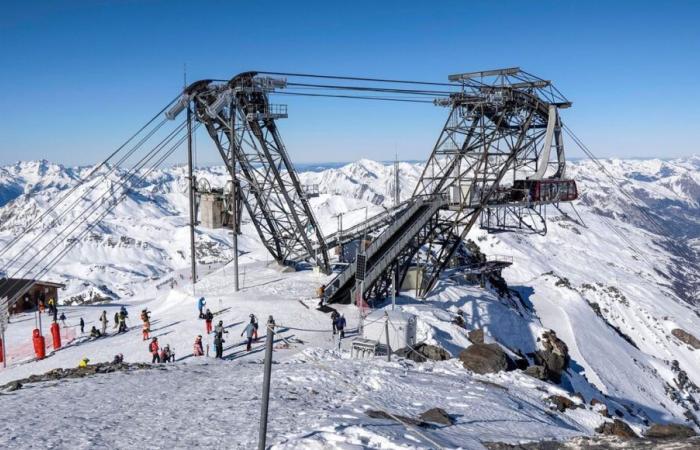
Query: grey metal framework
[(240, 119), (502, 126), (496, 133)]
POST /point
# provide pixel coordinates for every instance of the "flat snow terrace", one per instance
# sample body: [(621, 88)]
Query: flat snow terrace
[(318, 400)]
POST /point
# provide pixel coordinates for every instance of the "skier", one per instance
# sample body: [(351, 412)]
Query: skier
[(52, 306), (219, 345), (83, 363), (200, 305), (122, 323), (166, 355), (153, 348), (118, 359), (104, 321), (145, 315), (340, 326), (95, 333), (82, 326), (334, 319), (320, 293), (248, 331), (197, 349), (116, 319), (123, 310), (63, 320), (254, 322), (146, 330), (208, 318), (219, 329)]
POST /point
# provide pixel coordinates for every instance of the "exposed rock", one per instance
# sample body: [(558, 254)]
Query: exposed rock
[(476, 336), (686, 337), (437, 415), (13, 386), (554, 356), (423, 352), (669, 431), (600, 407), (562, 403), (539, 372), (377, 414), (617, 428), (91, 369), (485, 358)]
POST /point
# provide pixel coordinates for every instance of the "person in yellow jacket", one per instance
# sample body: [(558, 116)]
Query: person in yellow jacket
[(83, 363)]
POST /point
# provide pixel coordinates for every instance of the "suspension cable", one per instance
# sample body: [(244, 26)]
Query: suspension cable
[(165, 141), (94, 205), (71, 244), (357, 97), (31, 226), (72, 206), (378, 80)]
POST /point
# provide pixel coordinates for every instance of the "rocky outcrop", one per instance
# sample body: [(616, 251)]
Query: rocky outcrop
[(617, 428), (686, 337), (485, 358), (669, 431), (539, 372), (91, 369), (438, 416), (554, 356), (423, 352), (476, 336), (562, 403)]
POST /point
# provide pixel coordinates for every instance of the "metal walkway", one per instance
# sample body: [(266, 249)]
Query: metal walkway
[(384, 250)]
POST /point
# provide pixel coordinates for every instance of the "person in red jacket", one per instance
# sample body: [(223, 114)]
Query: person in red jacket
[(153, 348), (208, 318), (198, 350)]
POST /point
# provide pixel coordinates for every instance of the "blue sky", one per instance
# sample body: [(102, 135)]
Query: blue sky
[(79, 77)]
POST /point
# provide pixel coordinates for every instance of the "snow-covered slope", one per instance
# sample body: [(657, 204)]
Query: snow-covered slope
[(614, 287)]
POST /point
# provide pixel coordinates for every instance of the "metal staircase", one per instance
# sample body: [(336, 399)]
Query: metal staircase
[(385, 249)]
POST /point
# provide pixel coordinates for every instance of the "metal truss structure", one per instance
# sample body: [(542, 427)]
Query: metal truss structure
[(241, 121), (502, 127)]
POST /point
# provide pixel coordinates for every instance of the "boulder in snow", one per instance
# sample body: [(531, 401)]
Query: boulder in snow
[(617, 428), (437, 415), (485, 358), (423, 352), (562, 403), (476, 336), (686, 337), (669, 431), (554, 355), (539, 372)]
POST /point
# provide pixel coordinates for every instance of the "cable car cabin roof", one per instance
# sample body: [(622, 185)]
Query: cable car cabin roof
[(9, 287)]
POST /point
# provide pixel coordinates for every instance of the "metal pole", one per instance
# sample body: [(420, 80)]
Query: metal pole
[(386, 330), (393, 289), (41, 332), (266, 385), (190, 177), (234, 202), (4, 344)]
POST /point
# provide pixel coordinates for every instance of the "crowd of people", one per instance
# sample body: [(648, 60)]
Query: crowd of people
[(165, 354)]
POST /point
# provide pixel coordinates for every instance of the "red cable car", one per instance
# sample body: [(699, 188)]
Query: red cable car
[(545, 191)]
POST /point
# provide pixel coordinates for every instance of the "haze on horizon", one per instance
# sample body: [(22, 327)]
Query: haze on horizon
[(82, 76)]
